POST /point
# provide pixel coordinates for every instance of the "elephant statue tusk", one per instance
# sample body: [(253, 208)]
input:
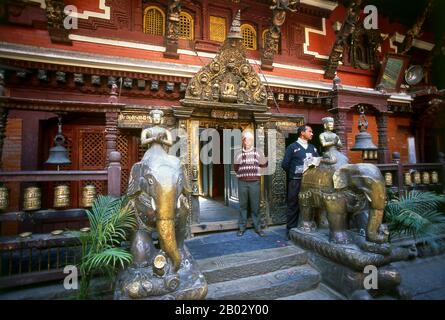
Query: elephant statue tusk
[(368, 197), (153, 204)]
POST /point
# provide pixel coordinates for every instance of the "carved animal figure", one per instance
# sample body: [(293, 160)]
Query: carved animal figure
[(351, 196)]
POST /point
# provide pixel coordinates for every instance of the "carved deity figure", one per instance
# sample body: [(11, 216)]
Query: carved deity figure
[(243, 95), (330, 142), (156, 133)]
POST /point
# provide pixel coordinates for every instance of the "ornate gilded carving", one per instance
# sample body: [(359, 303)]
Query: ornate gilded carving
[(56, 15), (220, 114), (228, 78)]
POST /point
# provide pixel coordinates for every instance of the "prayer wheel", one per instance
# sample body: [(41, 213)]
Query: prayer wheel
[(32, 199), (426, 177), (408, 181), (388, 179), (62, 196), (88, 196), (417, 178), (4, 198), (434, 177)]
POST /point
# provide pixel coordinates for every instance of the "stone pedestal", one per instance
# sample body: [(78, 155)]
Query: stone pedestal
[(347, 268), (141, 283)]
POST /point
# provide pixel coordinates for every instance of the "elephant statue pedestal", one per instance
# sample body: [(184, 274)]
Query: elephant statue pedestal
[(345, 267), (158, 282)]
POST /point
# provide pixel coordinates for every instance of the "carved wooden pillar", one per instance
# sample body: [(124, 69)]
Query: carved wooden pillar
[(172, 34), (273, 38), (206, 20), (340, 118), (382, 131), (3, 122), (111, 132), (56, 17), (3, 118), (261, 144)]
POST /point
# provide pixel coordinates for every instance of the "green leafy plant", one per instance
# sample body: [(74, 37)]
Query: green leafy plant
[(416, 214), (111, 221)]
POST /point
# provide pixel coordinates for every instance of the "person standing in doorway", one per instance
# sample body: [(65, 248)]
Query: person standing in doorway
[(247, 166), (293, 164)]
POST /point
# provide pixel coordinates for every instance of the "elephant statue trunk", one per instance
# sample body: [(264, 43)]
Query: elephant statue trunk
[(375, 230), (166, 226)]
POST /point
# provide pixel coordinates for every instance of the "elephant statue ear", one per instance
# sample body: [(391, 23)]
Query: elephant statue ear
[(340, 179), (133, 182)]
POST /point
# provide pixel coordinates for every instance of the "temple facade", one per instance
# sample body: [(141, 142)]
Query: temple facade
[(97, 68)]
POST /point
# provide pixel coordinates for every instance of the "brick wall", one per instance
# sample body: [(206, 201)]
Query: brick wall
[(11, 159)]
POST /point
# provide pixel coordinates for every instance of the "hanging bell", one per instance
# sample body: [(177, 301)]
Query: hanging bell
[(363, 141), (58, 154)]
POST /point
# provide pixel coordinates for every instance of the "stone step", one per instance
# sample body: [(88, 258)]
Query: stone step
[(320, 293), (252, 263), (269, 286)]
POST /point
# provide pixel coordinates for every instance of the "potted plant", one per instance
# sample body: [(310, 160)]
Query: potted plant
[(111, 221), (418, 215)]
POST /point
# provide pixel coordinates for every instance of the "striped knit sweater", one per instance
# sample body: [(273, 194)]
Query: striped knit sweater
[(247, 165)]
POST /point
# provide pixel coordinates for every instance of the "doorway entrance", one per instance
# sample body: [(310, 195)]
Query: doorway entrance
[(218, 185)]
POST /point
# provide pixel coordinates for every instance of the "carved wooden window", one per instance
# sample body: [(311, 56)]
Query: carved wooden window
[(154, 21), (217, 29), (249, 36), (186, 25)]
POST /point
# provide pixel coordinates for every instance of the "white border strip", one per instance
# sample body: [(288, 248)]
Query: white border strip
[(86, 14), (141, 46), (397, 37), (329, 5), (306, 40)]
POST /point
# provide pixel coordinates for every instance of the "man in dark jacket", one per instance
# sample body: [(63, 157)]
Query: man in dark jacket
[(293, 164)]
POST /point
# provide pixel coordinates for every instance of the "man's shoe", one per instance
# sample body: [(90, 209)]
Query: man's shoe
[(287, 235), (240, 233), (260, 233)]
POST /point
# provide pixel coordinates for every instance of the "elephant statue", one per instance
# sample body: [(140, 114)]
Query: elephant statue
[(158, 190), (351, 196)]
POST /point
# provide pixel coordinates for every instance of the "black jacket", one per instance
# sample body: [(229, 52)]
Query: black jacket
[(293, 159)]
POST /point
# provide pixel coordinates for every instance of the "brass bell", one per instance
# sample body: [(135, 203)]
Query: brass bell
[(58, 154), (61, 196), (4, 198), (32, 199), (88, 196), (363, 140)]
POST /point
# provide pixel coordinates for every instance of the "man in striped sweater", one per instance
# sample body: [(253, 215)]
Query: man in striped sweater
[(247, 166)]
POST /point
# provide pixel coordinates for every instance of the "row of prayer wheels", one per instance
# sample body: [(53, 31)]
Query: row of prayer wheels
[(32, 198), (415, 178)]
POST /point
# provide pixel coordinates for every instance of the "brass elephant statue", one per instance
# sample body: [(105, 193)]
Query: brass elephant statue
[(350, 197)]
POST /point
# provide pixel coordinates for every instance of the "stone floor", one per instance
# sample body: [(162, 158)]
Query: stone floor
[(212, 211), (424, 278)]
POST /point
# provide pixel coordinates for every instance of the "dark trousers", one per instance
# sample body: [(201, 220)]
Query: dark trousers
[(293, 209), (249, 191)]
